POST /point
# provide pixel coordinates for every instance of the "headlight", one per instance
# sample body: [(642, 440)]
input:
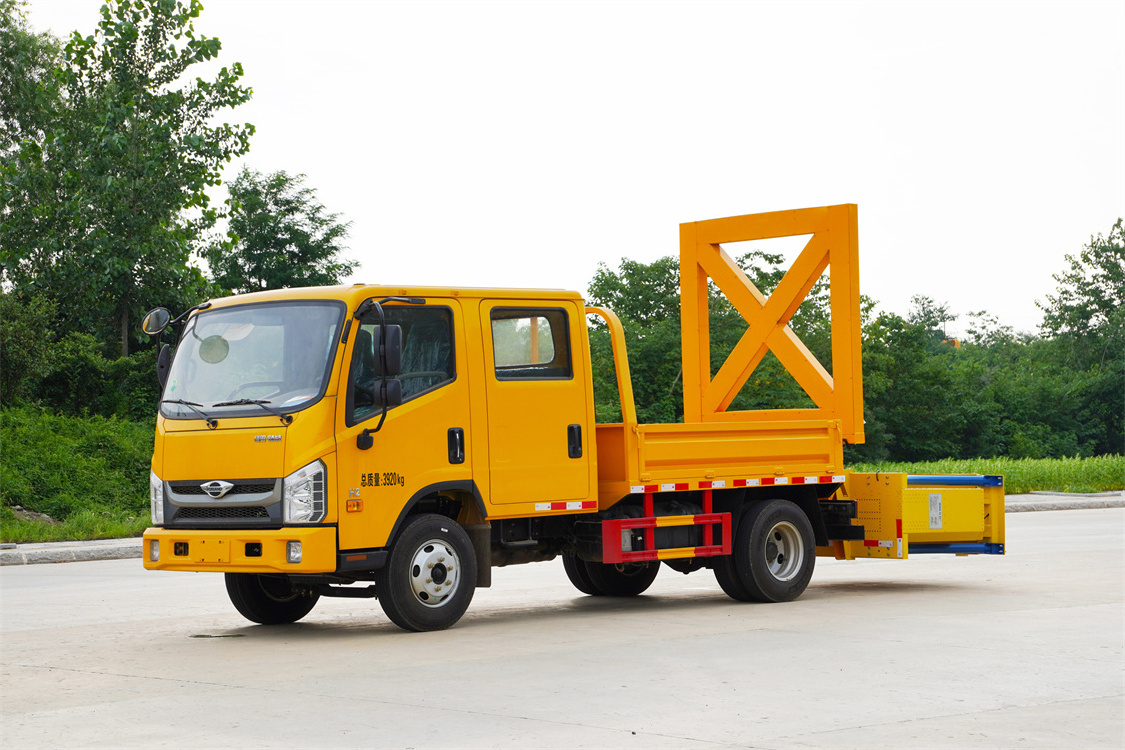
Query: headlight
[(156, 498), (303, 496)]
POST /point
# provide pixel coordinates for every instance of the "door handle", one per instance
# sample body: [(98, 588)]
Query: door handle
[(456, 443), (574, 440)]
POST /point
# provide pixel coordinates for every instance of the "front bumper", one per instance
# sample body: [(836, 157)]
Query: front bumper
[(242, 550)]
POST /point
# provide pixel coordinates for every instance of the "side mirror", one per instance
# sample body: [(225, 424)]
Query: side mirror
[(155, 321), (389, 393), (163, 362), (389, 361)]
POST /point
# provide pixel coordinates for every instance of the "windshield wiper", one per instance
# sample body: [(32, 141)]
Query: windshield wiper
[(211, 422), (285, 418)]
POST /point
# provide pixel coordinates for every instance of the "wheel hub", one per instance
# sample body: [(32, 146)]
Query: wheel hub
[(434, 573), (784, 552)]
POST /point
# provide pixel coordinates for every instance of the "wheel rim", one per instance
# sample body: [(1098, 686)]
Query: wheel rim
[(630, 570), (784, 551), (277, 589), (435, 572)]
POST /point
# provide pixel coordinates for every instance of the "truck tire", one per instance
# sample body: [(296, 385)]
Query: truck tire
[(725, 572), (268, 599), (621, 579), (576, 571), (774, 551), (729, 581), (430, 576)]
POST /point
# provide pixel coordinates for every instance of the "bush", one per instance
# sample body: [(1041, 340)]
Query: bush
[(70, 376), (62, 465), (25, 344)]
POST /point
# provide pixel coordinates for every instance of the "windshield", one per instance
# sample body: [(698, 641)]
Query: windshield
[(278, 354)]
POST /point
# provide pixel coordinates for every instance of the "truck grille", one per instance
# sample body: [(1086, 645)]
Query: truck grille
[(223, 512), (238, 489)]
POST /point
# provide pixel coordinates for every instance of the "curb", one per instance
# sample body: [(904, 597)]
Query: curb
[(1090, 502), (122, 549), (59, 552)]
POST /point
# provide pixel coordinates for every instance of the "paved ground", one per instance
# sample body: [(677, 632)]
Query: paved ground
[(120, 549), (1024, 650)]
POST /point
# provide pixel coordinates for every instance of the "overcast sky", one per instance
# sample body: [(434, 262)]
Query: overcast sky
[(522, 143)]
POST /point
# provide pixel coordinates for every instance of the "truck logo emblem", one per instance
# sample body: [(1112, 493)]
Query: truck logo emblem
[(216, 489), (267, 438)]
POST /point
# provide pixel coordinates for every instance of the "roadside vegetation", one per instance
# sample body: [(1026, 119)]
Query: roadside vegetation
[(68, 477), (1023, 475)]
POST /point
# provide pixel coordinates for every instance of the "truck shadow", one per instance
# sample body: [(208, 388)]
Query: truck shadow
[(326, 625)]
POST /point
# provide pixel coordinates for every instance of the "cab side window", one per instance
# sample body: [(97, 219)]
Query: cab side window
[(530, 343), (427, 355)]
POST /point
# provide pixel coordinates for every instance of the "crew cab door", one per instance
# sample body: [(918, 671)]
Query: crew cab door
[(538, 423), (420, 448)]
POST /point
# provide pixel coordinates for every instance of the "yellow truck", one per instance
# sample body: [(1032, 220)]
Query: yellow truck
[(400, 443)]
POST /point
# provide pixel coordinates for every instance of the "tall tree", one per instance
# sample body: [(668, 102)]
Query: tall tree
[(28, 94), (1086, 320), (1089, 306), (102, 212), (282, 236)]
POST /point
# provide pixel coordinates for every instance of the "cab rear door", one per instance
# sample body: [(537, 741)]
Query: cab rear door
[(537, 401)]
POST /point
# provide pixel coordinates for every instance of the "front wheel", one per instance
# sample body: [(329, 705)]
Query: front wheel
[(774, 551), (269, 599), (430, 575)]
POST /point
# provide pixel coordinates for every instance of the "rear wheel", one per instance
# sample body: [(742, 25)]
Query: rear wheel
[(729, 581), (774, 551), (576, 571), (269, 599), (726, 574), (621, 579), (430, 576)]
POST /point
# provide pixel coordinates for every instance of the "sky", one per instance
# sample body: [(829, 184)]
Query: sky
[(521, 144)]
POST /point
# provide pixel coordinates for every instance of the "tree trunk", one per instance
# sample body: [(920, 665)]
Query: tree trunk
[(124, 330)]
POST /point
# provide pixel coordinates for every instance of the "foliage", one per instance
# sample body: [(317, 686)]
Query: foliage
[(1089, 308), (67, 466), (70, 376), (25, 346), (1082, 475), (646, 299), (282, 237), (100, 213), (926, 397), (27, 88)]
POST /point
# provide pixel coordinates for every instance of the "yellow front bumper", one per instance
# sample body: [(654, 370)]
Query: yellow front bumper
[(228, 551)]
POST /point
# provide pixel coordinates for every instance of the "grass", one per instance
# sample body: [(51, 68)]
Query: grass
[(89, 475), (1022, 475), (85, 524)]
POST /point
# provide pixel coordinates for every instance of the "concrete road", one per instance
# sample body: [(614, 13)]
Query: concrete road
[(1022, 651)]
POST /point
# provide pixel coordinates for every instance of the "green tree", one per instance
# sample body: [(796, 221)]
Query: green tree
[(282, 236), (25, 342), (1086, 320), (28, 94), (1088, 309), (102, 213), (646, 298)]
